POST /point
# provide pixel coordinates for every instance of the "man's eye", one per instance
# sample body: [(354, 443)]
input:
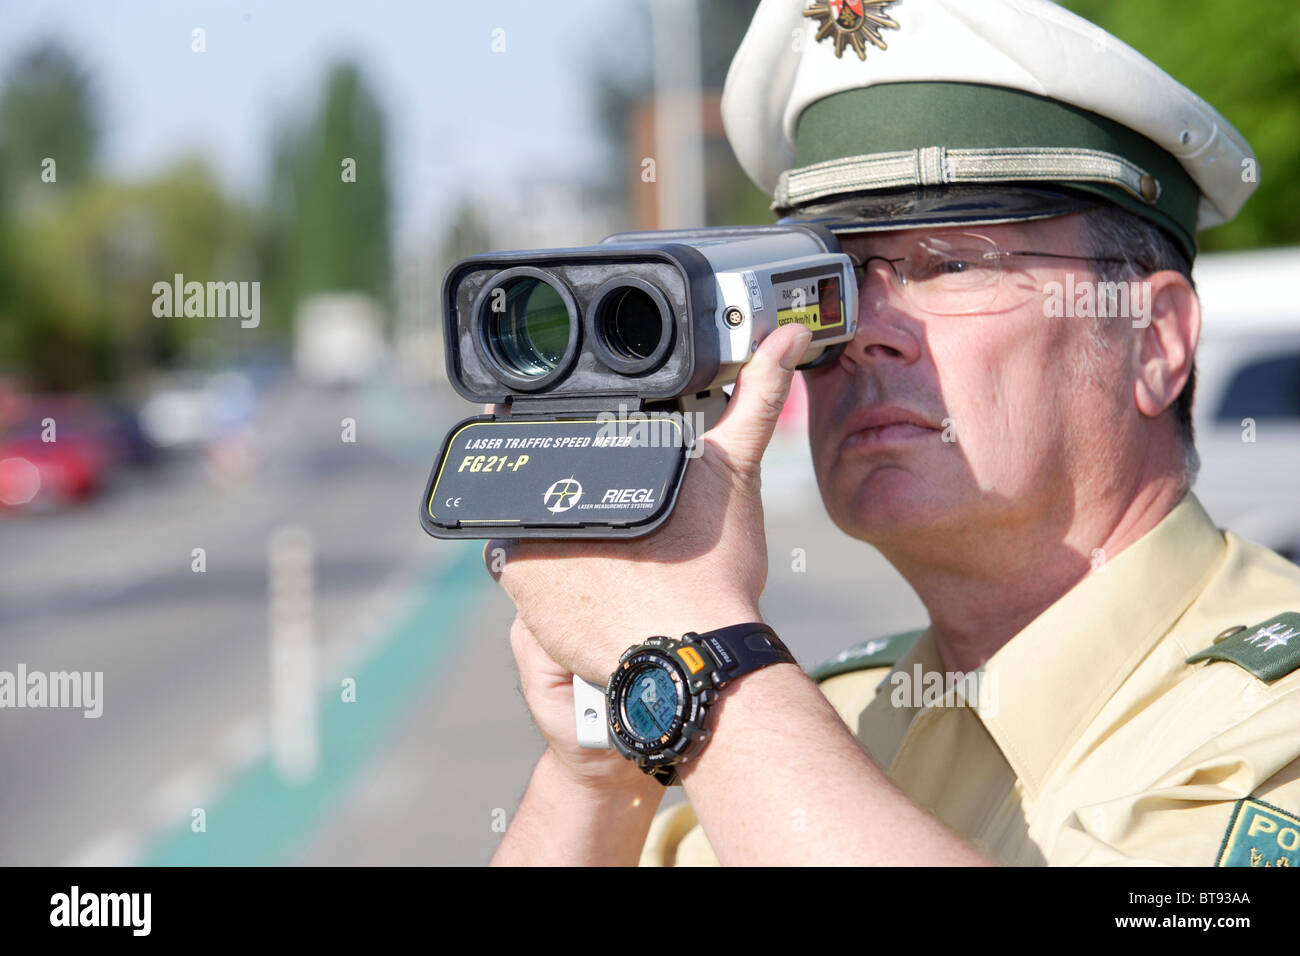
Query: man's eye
[(954, 264)]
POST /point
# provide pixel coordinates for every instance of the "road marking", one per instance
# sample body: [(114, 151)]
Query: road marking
[(258, 819), (243, 742), (179, 794), (112, 848)]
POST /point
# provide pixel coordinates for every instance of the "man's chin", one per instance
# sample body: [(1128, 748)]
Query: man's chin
[(889, 504)]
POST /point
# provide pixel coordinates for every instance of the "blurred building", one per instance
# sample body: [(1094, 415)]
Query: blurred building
[(730, 198)]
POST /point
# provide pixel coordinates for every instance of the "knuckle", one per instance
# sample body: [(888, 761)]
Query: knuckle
[(771, 402)]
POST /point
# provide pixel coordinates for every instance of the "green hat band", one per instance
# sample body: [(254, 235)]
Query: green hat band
[(899, 134)]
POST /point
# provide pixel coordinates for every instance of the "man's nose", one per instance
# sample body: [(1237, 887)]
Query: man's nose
[(887, 330)]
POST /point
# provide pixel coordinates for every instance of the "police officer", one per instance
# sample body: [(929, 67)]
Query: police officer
[(1106, 677)]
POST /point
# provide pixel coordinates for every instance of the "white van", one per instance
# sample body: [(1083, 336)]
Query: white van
[(338, 339), (1247, 409)]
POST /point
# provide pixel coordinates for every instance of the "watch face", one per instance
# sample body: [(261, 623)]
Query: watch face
[(650, 701)]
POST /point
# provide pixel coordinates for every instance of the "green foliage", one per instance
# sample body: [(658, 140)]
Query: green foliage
[(329, 233), (83, 265), (79, 255), (1244, 59), (47, 109), (79, 258)]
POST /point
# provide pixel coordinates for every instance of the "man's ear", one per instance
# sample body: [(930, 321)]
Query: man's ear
[(1168, 330)]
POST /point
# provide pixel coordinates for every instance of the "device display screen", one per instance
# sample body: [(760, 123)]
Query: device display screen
[(828, 299), (811, 298), (650, 702)]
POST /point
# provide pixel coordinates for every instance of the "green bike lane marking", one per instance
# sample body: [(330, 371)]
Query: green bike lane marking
[(258, 820)]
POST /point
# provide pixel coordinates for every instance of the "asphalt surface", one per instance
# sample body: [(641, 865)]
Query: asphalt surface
[(434, 753)]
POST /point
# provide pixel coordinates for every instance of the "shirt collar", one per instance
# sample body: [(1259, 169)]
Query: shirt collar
[(885, 722), (1054, 676)]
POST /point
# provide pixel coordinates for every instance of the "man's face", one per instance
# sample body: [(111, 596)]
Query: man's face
[(956, 423)]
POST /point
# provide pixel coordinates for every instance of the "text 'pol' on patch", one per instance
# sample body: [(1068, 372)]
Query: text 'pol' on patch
[(1260, 835)]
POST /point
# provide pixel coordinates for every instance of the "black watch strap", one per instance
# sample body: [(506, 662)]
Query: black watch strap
[(734, 652), (742, 648)]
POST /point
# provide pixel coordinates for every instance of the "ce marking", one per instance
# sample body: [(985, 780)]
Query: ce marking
[(452, 503)]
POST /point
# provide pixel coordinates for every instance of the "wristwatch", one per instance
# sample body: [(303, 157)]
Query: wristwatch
[(660, 695)]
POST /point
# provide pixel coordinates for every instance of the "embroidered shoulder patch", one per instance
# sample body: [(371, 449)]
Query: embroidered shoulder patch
[(1260, 835), (877, 652), (1269, 650)]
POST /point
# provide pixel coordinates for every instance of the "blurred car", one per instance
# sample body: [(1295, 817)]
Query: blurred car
[(338, 339), (188, 410), (1247, 409), (59, 450)]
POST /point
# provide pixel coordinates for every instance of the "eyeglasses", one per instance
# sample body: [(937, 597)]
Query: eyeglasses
[(954, 274)]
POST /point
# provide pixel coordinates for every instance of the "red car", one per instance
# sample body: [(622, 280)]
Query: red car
[(38, 473)]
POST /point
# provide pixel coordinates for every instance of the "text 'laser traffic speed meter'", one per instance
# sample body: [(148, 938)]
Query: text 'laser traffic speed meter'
[(606, 362)]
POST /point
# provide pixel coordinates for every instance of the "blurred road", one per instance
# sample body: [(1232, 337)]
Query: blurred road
[(431, 758)]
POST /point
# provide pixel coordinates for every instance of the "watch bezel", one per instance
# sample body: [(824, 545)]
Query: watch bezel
[(688, 715)]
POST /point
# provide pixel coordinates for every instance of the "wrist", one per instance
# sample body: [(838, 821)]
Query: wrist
[(756, 705), (563, 821), (663, 694), (621, 788), (679, 621)]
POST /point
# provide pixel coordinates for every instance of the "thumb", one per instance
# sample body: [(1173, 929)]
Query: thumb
[(746, 426)]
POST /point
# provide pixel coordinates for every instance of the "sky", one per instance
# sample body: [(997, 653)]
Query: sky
[(462, 118)]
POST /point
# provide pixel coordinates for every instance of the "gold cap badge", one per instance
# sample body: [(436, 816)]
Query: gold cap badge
[(852, 20)]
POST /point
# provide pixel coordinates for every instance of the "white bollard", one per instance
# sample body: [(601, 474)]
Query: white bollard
[(295, 745)]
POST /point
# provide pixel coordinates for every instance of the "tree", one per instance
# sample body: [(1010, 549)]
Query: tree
[(84, 266), (48, 141), (329, 202), (47, 112), (1244, 59)]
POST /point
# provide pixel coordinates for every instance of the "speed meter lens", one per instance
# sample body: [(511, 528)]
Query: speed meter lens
[(527, 326)]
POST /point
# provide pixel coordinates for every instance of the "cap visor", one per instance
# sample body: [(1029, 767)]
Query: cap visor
[(939, 206)]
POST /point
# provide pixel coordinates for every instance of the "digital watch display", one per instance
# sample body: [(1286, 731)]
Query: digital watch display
[(652, 710), (660, 695)]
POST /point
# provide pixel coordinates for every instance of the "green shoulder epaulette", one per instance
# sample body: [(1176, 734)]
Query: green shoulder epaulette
[(1268, 650), (877, 652)]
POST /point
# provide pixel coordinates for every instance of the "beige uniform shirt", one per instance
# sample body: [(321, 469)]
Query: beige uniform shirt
[(1088, 739)]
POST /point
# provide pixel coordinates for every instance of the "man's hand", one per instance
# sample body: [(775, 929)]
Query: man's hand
[(548, 691), (777, 744), (583, 807), (587, 602), (581, 604)]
